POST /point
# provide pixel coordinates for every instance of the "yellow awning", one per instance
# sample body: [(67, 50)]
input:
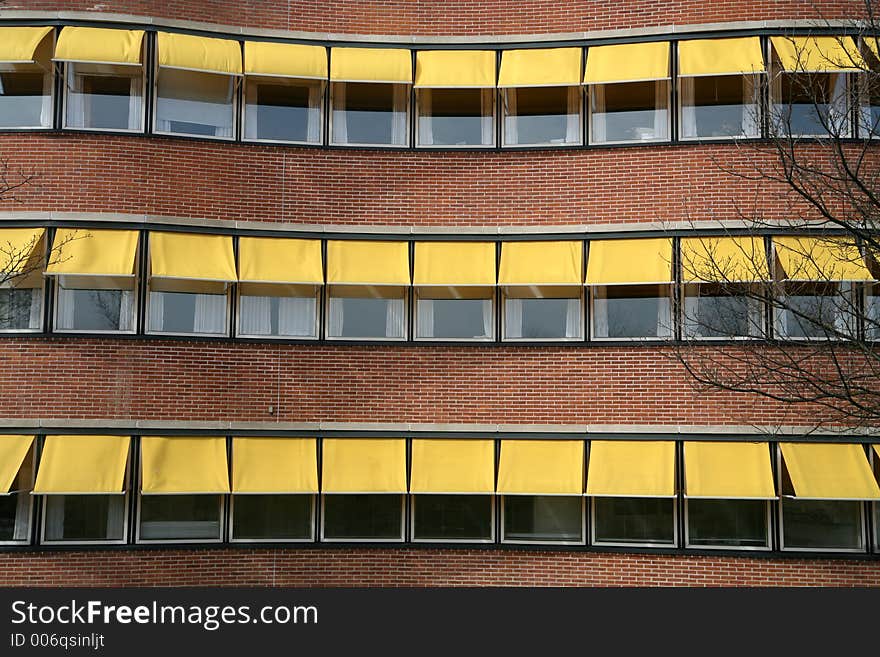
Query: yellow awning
[(453, 466), (191, 256), (818, 54), (363, 465), (371, 65), (82, 465), (274, 465), (19, 247), (728, 470), (627, 62), (363, 262), (18, 45), (541, 263), (285, 60), (455, 263), (99, 45), (439, 69), (280, 260), (13, 451), (723, 259), (183, 465), (820, 259), (552, 67), (196, 53), (740, 56), (631, 468), (621, 262), (825, 471), (541, 467), (89, 252)]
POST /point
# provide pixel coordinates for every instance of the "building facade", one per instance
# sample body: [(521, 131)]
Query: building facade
[(390, 293)]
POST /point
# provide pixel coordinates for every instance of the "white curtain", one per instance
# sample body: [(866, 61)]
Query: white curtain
[(210, 313), (513, 317), (46, 109), (756, 317), (199, 98), (688, 110), (64, 312), (134, 104), (425, 309), (661, 103), (255, 315), (598, 127), (511, 120), (692, 320), (22, 516), (126, 302), (76, 111), (399, 124), (664, 317), (573, 318), (394, 318), (35, 317), (425, 121), (296, 316), (340, 118), (157, 311), (838, 115), (751, 119), (55, 516), (115, 516), (573, 118), (488, 316), (316, 98), (337, 316), (600, 316), (487, 122)]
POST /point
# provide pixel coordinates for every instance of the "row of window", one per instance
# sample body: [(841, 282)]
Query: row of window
[(125, 281), (289, 93), (658, 494)]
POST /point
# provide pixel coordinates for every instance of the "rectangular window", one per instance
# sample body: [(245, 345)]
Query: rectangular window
[(453, 517), (284, 311), (180, 518), (632, 311), (21, 308), (554, 316), (84, 518), (26, 95), (716, 310), (15, 508), (714, 107), (186, 313), (284, 109), (629, 112), (542, 116), (810, 104), (104, 97), (634, 521), (543, 519), (460, 314), (369, 113), (194, 103), (812, 310), (273, 517), (376, 517), (821, 525), (81, 305), (455, 117), (728, 523), (354, 315)]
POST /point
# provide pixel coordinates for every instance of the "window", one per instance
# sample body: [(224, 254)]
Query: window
[(21, 308), (452, 517), (634, 521), (542, 116), (543, 519), (456, 117), (26, 87), (366, 313), (455, 314), (869, 93), (289, 311), (371, 517), (15, 507), (84, 518), (279, 109), (369, 114), (555, 315), (180, 518), (22, 257), (189, 312), (629, 112), (104, 97), (728, 523), (815, 310), (632, 311), (273, 517), (717, 107), (821, 525), (98, 310), (872, 311), (723, 310)]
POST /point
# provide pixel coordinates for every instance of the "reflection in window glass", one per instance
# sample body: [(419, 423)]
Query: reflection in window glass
[(278, 310), (727, 523), (104, 96), (632, 311), (718, 311), (810, 104), (368, 517), (281, 109), (15, 508), (543, 518), (369, 113), (21, 308), (186, 312), (629, 111), (456, 117), (366, 317), (821, 524), (194, 103), (454, 319), (84, 517), (180, 517), (94, 310), (542, 115), (452, 517), (813, 310), (719, 106), (634, 520), (542, 318), (272, 517)]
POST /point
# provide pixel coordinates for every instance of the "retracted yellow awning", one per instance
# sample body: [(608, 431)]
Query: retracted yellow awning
[(193, 257), (183, 465), (285, 60), (196, 53), (458, 69), (18, 248), (631, 468), (826, 54), (274, 465), (82, 465), (392, 65), (18, 45), (280, 260), (627, 62), (455, 263), (367, 263), (89, 252), (541, 263), (723, 259), (740, 56), (363, 465), (622, 262), (453, 466), (820, 259), (541, 67), (99, 45), (825, 471), (728, 470), (541, 467), (13, 451)]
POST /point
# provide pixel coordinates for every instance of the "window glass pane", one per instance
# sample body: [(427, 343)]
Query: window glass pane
[(25, 98), (542, 115), (185, 312), (632, 311), (281, 316), (717, 311), (812, 310), (198, 104), (103, 96), (452, 517), (180, 517), (283, 110), (634, 520), (363, 517), (369, 113), (359, 317), (821, 524), (15, 508), (735, 523), (541, 319), (94, 310), (455, 318), (272, 517), (629, 111), (810, 104), (456, 117), (21, 308), (870, 100), (872, 313), (84, 517), (723, 106), (543, 518)]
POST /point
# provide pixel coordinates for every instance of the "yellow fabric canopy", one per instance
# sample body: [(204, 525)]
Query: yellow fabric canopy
[(191, 256), (18, 247), (627, 62), (541, 67), (82, 465), (455, 263), (285, 60), (723, 259), (439, 69), (13, 451), (541, 467), (623, 261), (89, 252), (280, 260), (728, 470), (817, 54), (183, 465), (99, 45), (631, 468), (820, 259), (364, 262), (274, 465), (196, 53), (826, 471), (541, 263), (364, 465), (740, 56), (371, 65), (453, 466), (18, 45)]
